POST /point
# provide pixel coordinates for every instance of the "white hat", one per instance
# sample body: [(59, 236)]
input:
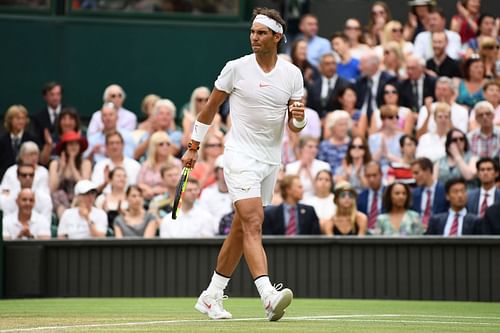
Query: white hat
[(219, 162), (420, 2), (84, 187)]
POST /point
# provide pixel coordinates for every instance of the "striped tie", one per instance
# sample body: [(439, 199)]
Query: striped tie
[(454, 227), (292, 222)]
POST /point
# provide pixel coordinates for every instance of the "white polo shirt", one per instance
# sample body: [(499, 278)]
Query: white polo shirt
[(76, 227), (38, 224)]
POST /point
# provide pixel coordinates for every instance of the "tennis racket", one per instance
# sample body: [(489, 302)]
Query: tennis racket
[(179, 192)]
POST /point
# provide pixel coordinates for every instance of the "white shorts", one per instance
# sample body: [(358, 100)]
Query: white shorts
[(248, 178)]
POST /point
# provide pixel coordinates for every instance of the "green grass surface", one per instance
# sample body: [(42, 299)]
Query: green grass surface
[(304, 315)]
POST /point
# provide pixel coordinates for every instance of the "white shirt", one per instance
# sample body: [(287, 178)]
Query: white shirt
[(131, 166), (451, 217), (217, 203), (423, 202), (127, 120), (423, 45), (259, 103), (491, 197), (327, 84), (74, 226), (432, 146), (38, 225), (53, 113), (306, 179), (459, 117), (197, 223), (10, 183), (43, 202), (324, 207)]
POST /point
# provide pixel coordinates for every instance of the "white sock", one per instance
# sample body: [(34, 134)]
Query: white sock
[(263, 285), (218, 283)]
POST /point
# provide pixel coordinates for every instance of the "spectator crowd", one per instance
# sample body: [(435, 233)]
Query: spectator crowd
[(402, 138)]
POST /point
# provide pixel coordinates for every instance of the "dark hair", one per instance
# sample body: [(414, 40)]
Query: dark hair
[(193, 181), (368, 156), (132, 187), (275, 15), (468, 63), (329, 173), (113, 133), (112, 172), (295, 44), (341, 92), (453, 181), (403, 138), (73, 113), (486, 160), (286, 183), (482, 17), (341, 35), (387, 200), (395, 88), (24, 165), (48, 86), (449, 137), (424, 163), (78, 157), (439, 11)]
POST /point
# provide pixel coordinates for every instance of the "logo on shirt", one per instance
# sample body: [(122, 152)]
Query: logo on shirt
[(262, 85)]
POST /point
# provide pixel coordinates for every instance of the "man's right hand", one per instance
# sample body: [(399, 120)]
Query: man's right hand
[(189, 158)]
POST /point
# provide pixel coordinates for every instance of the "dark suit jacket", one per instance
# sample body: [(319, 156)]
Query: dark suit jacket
[(439, 205), (274, 221), (361, 89), (41, 120), (7, 154), (314, 96), (362, 202), (473, 204), (406, 97), (490, 223), (437, 223)]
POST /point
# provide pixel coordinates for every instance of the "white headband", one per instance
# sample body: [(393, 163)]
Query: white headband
[(270, 23)]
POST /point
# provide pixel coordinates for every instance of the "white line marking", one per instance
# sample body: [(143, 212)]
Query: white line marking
[(350, 318)]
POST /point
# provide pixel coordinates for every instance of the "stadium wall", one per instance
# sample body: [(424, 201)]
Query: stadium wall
[(426, 268)]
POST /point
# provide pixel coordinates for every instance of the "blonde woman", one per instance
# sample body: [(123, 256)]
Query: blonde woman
[(347, 219), (150, 180), (393, 32), (147, 105), (204, 170), (393, 60)]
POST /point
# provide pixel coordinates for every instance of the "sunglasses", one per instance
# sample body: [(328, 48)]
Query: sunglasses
[(346, 194), (397, 29), (460, 139), (213, 145), (115, 95), (388, 92), (358, 147), (390, 117), (490, 47), (164, 143), (201, 99), (25, 175)]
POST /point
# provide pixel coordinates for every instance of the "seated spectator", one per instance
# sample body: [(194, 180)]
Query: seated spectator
[(490, 222), (68, 121), (353, 165), (333, 149), (164, 112), (114, 201), (384, 145), (485, 140), (399, 171), (204, 170), (470, 88), (67, 170), (441, 64), (437, 23), (313, 126), (399, 219), (429, 195), (161, 205), (193, 221), (393, 32), (16, 123), (369, 201), (291, 217), (479, 199), (406, 119), (432, 143), (225, 223), (455, 222), (134, 221), (380, 15), (277, 199), (418, 18), (25, 176), (393, 60), (347, 67), (25, 222), (445, 93), (126, 120), (215, 198), (115, 158), (28, 154), (486, 26), (418, 86), (354, 33), (322, 201), (298, 54), (307, 166), (316, 45), (347, 100), (347, 220), (491, 92), (44, 122), (97, 150), (84, 220), (147, 105), (149, 179), (465, 21), (458, 161)]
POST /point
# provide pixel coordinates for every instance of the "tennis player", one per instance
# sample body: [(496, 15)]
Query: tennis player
[(262, 89)]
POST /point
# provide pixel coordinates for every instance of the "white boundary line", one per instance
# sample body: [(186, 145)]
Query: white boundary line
[(350, 318)]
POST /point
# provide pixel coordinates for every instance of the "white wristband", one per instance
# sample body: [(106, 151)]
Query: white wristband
[(299, 124), (199, 131)]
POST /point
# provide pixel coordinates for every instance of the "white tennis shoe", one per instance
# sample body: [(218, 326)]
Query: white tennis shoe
[(211, 305), (276, 301)]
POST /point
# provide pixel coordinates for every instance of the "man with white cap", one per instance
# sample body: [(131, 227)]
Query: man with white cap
[(262, 90), (84, 220)]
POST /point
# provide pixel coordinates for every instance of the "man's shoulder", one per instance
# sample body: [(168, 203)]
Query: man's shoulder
[(130, 162)]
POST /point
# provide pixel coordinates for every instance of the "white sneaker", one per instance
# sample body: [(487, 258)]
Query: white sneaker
[(212, 305), (276, 301)]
